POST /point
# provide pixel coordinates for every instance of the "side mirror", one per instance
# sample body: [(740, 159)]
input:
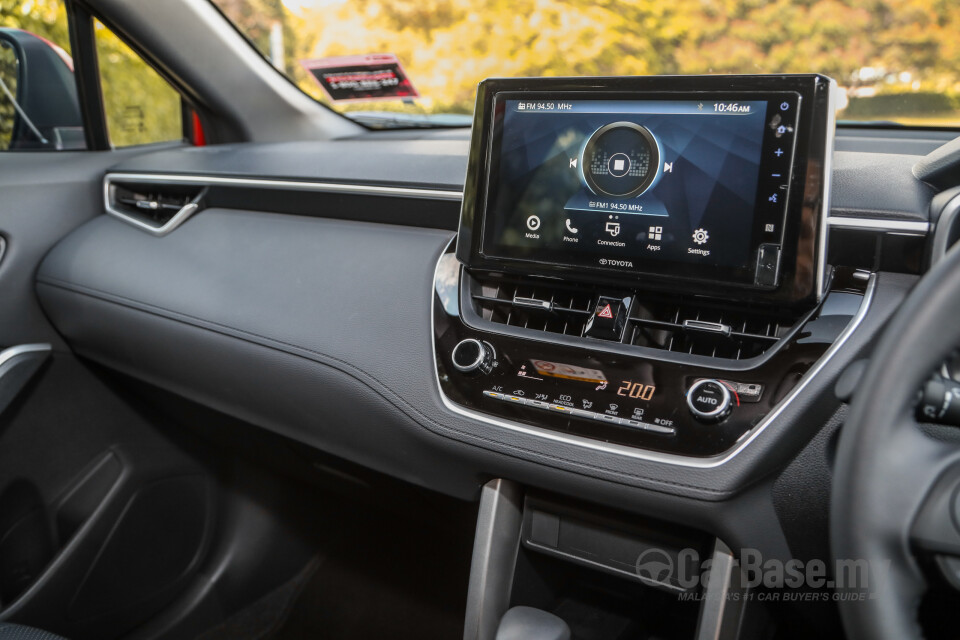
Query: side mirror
[(39, 106)]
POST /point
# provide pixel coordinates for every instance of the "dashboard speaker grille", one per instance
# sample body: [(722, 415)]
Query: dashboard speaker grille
[(656, 321)]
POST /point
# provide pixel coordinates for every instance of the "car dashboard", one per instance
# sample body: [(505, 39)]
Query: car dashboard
[(353, 296)]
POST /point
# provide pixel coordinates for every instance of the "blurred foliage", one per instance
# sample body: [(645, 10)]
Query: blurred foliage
[(8, 75), (46, 18), (447, 46), (141, 107), (902, 104), (255, 20)]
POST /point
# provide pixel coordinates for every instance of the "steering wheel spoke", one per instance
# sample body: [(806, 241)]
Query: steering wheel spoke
[(936, 528), (895, 491)]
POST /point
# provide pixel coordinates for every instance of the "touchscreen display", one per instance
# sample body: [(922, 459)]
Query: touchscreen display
[(692, 187)]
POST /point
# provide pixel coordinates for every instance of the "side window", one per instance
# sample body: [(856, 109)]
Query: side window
[(34, 36), (140, 106)]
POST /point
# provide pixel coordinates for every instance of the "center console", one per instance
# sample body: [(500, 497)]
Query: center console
[(640, 264)]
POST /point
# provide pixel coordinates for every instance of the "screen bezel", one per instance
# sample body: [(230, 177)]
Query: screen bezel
[(804, 228)]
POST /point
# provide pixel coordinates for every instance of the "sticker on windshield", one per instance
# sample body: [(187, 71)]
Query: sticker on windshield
[(375, 76)]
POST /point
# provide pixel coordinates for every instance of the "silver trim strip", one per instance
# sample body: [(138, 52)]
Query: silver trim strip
[(326, 187), (945, 223), (12, 352), (495, 545), (642, 454), (879, 224), (720, 612), (821, 275)]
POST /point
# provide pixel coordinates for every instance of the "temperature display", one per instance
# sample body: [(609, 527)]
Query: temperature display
[(636, 390)]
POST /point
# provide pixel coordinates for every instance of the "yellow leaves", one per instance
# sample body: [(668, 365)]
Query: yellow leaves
[(140, 106), (448, 46)]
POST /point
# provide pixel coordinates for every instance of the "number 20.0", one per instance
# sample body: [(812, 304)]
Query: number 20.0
[(636, 390)]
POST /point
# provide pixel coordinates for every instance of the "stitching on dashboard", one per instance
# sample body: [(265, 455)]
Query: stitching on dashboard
[(350, 369)]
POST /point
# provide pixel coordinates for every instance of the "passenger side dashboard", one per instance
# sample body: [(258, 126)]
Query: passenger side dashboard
[(309, 314)]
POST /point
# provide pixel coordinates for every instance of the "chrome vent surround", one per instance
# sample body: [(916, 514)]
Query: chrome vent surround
[(155, 206), (656, 321)]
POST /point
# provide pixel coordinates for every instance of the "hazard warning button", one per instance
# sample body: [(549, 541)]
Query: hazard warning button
[(608, 319)]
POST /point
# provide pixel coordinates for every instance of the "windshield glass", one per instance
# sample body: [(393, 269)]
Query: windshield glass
[(390, 63)]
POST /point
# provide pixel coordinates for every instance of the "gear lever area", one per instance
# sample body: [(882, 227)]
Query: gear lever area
[(527, 623), (547, 568)]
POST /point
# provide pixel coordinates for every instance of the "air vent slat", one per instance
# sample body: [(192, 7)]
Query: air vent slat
[(152, 205), (657, 321), (542, 306)]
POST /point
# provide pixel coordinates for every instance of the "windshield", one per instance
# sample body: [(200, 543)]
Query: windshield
[(394, 63)]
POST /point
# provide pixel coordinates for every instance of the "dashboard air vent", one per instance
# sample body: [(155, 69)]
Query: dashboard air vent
[(155, 207), (553, 307), (656, 321), (705, 329)]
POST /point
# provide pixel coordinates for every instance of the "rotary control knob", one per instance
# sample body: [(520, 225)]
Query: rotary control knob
[(472, 356), (709, 400)]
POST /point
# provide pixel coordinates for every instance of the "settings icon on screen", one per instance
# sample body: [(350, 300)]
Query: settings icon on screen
[(700, 236)]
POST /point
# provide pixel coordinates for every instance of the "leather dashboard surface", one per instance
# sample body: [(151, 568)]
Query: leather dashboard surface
[(319, 329)]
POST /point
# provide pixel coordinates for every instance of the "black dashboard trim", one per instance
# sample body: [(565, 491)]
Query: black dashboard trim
[(245, 188), (301, 185)]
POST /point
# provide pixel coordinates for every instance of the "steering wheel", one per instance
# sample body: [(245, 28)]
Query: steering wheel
[(896, 489)]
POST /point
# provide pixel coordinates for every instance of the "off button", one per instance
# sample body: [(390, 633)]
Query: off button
[(709, 400)]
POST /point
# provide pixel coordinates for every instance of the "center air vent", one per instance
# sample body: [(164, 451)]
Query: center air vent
[(656, 321), (154, 206)]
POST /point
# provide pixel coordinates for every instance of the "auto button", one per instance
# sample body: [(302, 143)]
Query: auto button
[(709, 400)]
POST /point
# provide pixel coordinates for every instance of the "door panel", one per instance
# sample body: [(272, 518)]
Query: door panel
[(104, 516), (45, 195)]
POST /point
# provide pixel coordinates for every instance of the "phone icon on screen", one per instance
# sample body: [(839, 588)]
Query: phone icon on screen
[(571, 228)]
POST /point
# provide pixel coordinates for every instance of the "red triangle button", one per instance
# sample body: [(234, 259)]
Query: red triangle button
[(606, 313)]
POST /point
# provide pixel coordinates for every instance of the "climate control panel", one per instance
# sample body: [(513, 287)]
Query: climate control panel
[(611, 393), (638, 402)]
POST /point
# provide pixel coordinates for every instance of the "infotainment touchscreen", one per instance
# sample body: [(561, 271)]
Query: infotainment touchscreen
[(697, 185)]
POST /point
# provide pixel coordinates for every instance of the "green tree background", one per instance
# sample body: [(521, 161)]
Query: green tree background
[(140, 106), (46, 18), (8, 74), (897, 59), (910, 47)]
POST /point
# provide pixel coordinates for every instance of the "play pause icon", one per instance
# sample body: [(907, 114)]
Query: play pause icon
[(656, 233)]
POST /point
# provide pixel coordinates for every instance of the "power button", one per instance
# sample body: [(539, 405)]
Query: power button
[(709, 400)]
